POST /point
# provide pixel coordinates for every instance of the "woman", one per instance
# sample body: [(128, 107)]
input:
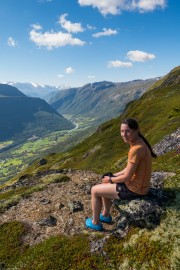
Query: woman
[(129, 183)]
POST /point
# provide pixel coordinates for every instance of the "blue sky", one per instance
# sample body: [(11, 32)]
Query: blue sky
[(74, 42)]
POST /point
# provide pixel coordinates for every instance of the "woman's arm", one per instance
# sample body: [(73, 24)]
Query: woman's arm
[(125, 177), (120, 173)]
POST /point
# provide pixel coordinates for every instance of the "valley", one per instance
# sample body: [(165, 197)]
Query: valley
[(16, 159)]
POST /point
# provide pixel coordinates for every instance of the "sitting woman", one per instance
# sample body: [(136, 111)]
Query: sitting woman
[(129, 183)]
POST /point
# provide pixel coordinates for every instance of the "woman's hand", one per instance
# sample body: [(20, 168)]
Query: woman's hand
[(105, 180)]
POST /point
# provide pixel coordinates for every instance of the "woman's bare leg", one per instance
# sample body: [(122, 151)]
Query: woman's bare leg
[(106, 206), (102, 195)]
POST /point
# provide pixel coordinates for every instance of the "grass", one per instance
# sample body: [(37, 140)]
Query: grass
[(58, 252), (11, 242)]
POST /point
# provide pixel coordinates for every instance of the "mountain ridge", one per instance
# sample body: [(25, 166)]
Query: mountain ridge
[(36, 90), (100, 101), (23, 116)]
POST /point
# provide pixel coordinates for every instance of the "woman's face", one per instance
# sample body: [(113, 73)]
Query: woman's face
[(129, 135)]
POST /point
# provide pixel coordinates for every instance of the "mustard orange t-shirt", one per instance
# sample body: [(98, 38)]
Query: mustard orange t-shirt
[(140, 154)]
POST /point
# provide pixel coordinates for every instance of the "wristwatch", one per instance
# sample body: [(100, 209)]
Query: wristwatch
[(110, 180)]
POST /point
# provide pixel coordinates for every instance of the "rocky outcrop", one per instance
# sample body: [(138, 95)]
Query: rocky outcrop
[(170, 142)]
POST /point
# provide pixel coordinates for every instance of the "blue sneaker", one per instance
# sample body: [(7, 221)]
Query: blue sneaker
[(105, 219), (92, 226)]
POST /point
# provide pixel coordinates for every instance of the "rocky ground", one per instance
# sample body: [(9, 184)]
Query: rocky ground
[(59, 209), (62, 207)]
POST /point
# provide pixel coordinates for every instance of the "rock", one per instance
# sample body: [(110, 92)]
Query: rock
[(71, 222), (2, 265), (75, 206), (45, 201), (87, 188), (61, 205), (142, 213), (146, 211), (49, 221), (169, 142), (43, 161), (22, 177), (97, 246)]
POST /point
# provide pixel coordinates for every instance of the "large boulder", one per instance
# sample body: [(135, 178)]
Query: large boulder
[(146, 211)]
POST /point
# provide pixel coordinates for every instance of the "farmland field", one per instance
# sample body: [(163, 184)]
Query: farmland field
[(21, 156)]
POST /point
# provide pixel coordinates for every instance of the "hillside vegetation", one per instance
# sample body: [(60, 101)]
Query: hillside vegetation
[(158, 113)]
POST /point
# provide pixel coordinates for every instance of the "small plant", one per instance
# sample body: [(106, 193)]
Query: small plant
[(61, 179)]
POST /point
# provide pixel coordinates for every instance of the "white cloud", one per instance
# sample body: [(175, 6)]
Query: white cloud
[(115, 7), (54, 39), (69, 70), (90, 27), (118, 64), (105, 32), (36, 26), (69, 26), (91, 76), (11, 42), (148, 5), (139, 56), (60, 75)]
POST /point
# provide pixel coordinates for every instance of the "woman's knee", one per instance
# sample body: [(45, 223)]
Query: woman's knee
[(95, 190)]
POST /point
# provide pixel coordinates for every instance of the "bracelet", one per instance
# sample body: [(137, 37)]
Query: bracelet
[(110, 180)]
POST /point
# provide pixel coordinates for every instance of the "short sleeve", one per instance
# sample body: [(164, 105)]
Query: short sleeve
[(134, 155)]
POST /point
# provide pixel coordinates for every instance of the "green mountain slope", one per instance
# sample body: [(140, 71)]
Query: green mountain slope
[(23, 117), (158, 113)]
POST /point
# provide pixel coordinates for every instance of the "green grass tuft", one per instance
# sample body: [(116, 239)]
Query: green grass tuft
[(11, 246)]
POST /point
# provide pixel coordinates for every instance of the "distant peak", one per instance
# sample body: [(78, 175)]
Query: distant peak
[(63, 87)]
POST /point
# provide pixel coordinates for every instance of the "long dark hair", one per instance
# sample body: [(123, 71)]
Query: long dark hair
[(133, 124)]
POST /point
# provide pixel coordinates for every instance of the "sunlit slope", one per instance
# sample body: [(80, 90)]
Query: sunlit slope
[(158, 113)]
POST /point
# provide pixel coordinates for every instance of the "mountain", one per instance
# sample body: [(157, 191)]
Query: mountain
[(100, 101), (23, 117), (10, 91), (37, 90), (158, 113)]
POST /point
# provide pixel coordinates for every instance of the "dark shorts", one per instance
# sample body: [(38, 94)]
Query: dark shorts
[(124, 193)]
